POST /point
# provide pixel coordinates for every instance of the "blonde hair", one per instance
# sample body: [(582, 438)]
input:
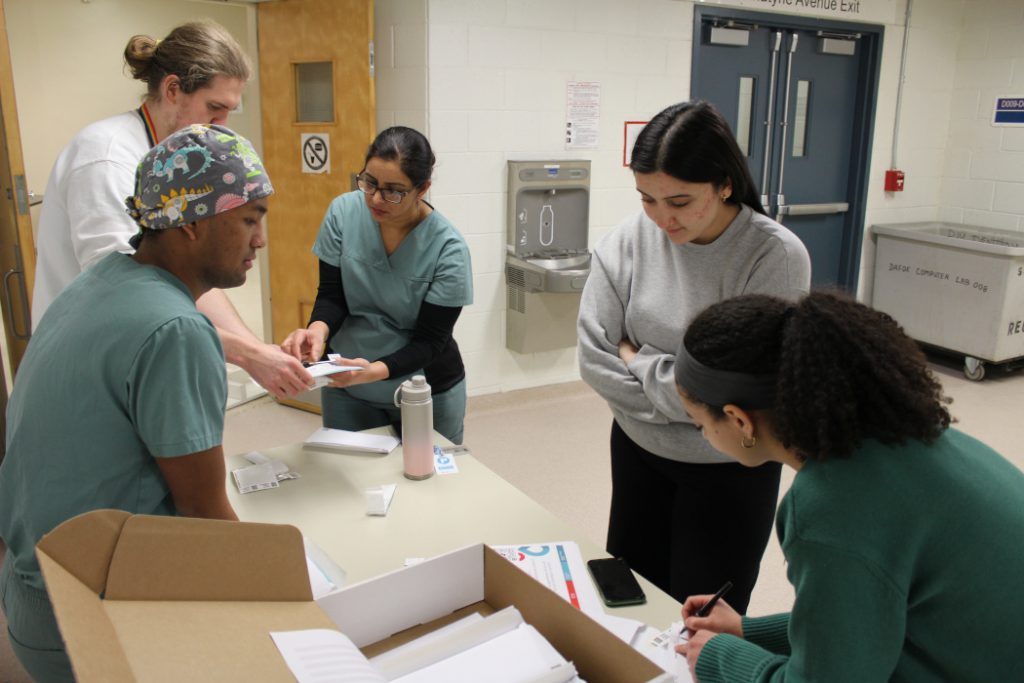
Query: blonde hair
[(195, 52)]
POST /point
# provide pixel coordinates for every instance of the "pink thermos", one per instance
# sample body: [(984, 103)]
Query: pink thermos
[(417, 427)]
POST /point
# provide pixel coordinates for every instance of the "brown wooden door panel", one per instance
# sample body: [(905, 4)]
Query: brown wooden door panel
[(17, 248), (294, 32)]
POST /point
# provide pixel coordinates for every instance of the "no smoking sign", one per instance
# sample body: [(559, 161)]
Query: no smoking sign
[(316, 153)]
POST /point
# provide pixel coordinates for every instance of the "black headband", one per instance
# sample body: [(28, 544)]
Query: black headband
[(722, 387)]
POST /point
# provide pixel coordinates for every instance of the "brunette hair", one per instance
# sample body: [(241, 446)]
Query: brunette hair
[(195, 52), (844, 372), (692, 142), (409, 147)]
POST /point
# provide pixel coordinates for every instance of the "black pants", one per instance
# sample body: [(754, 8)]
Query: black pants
[(689, 528)]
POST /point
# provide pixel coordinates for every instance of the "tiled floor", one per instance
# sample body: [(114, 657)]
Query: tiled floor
[(552, 443)]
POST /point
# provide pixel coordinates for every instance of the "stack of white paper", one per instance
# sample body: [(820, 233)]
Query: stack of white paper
[(500, 648), (344, 440)]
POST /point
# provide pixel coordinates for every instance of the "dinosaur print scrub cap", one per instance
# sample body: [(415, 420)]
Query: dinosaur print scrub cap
[(196, 173)]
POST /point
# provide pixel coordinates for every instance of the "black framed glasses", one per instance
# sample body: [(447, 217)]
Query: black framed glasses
[(370, 187)]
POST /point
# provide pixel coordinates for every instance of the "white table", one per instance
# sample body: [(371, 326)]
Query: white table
[(426, 518)]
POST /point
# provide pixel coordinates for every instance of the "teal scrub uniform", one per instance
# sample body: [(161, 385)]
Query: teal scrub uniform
[(122, 370), (384, 294)]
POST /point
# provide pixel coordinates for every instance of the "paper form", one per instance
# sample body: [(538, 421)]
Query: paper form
[(322, 655), (660, 648), (559, 566), (345, 440)]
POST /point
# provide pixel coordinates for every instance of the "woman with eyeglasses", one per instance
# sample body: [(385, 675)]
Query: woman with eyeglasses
[(394, 276)]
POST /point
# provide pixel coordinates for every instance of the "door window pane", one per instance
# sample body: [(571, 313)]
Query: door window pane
[(746, 106), (803, 92), (314, 92)]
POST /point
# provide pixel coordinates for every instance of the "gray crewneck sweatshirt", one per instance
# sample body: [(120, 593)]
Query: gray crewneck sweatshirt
[(645, 288)]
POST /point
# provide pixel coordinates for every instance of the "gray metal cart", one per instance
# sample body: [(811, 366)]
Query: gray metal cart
[(955, 287)]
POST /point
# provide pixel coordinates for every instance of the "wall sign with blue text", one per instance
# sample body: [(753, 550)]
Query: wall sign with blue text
[(874, 11), (1009, 111)]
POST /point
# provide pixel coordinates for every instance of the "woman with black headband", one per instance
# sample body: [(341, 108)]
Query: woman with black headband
[(701, 236), (902, 535)]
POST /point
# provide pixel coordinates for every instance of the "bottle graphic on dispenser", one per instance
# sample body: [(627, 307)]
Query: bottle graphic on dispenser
[(413, 397), (547, 225)]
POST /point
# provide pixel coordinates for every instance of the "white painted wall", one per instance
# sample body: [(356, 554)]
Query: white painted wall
[(983, 175), (496, 74), (959, 167), (485, 79), (400, 48)]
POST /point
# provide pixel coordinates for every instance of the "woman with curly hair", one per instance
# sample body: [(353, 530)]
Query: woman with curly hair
[(902, 535)]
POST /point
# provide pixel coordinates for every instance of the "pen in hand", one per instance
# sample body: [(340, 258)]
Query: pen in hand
[(710, 604), (706, 608)]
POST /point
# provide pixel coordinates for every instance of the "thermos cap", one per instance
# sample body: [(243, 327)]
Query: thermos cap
[(415, 390)]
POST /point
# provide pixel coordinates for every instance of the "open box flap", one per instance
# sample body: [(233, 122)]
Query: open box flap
[(379, 607), (74, 559), (161, 578), (83, 546), (180, 558)]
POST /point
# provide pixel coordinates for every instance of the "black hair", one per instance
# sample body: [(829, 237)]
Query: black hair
[(692, 142), (844, 372), (409, 147)]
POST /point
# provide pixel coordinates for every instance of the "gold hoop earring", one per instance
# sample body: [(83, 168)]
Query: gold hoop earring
[(751, 444)]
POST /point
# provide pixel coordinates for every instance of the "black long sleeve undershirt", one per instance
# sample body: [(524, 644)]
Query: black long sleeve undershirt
[(431, 348), (330, 306)]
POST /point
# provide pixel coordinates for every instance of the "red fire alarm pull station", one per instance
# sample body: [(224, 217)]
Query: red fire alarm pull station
[(893, 180)]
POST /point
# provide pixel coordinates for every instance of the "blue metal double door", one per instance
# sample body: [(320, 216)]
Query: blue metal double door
[(799, 95)]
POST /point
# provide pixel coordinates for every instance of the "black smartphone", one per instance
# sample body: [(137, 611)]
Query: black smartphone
[(616, 582)]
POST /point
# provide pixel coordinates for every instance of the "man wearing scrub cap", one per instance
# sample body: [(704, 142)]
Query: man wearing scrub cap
[(119, 402)]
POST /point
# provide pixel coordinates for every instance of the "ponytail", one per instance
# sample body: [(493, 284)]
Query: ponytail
[(844, 372)]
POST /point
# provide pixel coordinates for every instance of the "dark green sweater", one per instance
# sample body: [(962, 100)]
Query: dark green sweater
[(908, 565)]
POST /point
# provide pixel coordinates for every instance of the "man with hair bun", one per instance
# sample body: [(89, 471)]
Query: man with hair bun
[(135, 422), (194, 75)]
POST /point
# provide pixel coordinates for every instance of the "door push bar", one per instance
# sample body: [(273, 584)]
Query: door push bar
[(813, 209), (780, 198), (776, 44)]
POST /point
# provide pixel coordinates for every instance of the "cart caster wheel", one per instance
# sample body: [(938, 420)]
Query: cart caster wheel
[(974, 369)]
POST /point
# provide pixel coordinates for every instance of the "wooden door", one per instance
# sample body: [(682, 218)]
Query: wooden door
[(17, 249), (306, 36)]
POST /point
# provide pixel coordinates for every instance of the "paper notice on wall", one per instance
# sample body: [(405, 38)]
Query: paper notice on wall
[(582, 114)]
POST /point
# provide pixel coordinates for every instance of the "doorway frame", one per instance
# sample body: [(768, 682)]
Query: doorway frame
[(872, 37)]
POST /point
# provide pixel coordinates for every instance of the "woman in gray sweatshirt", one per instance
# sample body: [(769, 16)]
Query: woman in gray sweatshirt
[(701, 237)]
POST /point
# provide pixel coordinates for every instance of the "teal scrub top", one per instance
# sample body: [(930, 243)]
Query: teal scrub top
[(123, 369), (384, 293)]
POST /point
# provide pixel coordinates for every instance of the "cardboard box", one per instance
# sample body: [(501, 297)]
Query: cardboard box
[(194, 599)]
